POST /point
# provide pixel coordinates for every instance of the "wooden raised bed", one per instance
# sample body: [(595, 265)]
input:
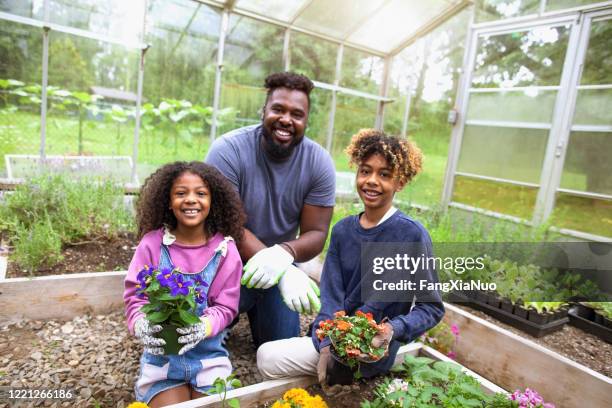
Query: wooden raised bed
[(270, 390), (496, 354)]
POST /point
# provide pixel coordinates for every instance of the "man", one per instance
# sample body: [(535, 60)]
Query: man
[(286, 181)]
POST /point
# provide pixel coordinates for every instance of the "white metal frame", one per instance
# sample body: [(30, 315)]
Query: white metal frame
[(580, 19)]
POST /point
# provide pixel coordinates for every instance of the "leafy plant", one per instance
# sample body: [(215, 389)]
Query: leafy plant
[(603, 308), (53, 210), (542, 307), (351, 337), (223, 385), (442, 337)]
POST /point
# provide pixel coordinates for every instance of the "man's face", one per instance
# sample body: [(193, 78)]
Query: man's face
[(285, 118)]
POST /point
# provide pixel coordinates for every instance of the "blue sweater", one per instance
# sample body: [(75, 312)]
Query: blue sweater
[(341, 282)]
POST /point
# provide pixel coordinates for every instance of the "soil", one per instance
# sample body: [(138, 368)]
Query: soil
[(106, 256)]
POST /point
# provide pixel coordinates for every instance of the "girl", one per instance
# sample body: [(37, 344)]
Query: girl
[(385, 165), (187, 214)]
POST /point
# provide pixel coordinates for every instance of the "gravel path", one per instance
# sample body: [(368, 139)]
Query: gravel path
[(94, 356)]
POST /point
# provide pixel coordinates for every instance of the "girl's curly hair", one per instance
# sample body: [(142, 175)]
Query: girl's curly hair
[(404, 157), (152, 210)]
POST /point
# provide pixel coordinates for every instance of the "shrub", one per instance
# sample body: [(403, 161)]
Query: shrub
[(57, 208)]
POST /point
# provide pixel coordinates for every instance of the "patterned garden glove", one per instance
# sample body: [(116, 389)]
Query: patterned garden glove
[(266, 267), (145, 332), (192, 335), (299, 292)]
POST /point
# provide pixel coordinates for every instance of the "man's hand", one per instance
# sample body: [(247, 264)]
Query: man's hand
[(299, 292), (145, 332), (324, 360), (384, 336), (266, 267), (192, 335)]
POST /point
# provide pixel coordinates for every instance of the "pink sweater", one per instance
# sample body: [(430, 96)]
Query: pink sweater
[(223, 293)]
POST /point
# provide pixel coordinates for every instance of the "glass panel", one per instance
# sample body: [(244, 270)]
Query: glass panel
[(253, 50), (181, 61), (352, 113), (583, 214), (563, 4), (400, 19), (513, 154), (335, 18), (522, 106), (20, 60), (92, 92), (597, 64), (313, 57), (24, 8), (118, 19), (318, 117), (282, 10), (361, 71), (524, 58), (587, 164), (487, 10), (503, 198), (593, 107), (431, 67), (244, 102)]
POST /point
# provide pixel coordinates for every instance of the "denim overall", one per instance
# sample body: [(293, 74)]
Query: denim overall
[(198, 367)]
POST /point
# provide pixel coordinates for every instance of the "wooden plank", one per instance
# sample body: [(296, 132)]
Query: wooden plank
[(252, 395), (60, 296), (513, 362), (3, 267)]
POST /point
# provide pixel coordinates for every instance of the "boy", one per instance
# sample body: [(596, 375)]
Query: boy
[(385, 165)]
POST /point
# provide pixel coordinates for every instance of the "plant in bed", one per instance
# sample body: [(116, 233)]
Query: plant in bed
[(443, 338), (172, 301), (299, 398), (351, 338)]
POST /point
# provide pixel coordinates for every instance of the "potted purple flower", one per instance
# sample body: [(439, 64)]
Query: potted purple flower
[(173, 301)]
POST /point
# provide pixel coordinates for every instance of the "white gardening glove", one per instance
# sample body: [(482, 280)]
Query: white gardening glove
[(299, 292), (145, 332), (192, 335), (266, 267)]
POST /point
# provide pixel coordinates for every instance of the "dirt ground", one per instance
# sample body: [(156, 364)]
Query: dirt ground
[(88, 257)]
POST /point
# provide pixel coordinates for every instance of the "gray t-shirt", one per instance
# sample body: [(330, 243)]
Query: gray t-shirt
[(273, 193)]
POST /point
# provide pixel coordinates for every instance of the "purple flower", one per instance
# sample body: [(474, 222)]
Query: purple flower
[(199, 281), (451, 354), (179, 286), (455, 330), (166, 278), (200, 296)]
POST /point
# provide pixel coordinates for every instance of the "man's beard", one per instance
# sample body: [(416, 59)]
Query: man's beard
[(276, 150)]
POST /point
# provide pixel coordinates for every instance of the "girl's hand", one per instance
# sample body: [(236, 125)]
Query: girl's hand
[(145, 332), (193, 334)]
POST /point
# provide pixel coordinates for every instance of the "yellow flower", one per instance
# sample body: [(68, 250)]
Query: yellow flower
[(297, 395), (138, 405), (315, 402), (281, 404)]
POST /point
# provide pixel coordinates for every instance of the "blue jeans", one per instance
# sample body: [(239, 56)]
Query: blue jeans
[(270, 319)]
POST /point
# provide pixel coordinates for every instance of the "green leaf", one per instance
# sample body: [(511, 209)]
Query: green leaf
[(158, 317), (234, 403), (188, 317)]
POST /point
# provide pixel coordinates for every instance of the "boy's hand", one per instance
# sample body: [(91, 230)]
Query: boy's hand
[(324, 360), (384, 336), (266, 267), (192, 335), (145, 332), (299, 292)]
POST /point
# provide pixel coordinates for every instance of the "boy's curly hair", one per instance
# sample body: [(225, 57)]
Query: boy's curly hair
[(153, 207), (289, 80), (403, 156)]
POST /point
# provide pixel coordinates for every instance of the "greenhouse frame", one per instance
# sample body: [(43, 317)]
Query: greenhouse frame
[(536, 135)]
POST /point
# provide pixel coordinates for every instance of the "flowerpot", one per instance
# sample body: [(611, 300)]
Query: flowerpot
[(481, 296), (507, 305), (493, 299), (520, 311), (598, 318), (538, 318), (559, 314), (338, 371), (170, 335)]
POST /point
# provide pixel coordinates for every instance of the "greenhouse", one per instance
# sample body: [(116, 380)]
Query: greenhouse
[(508, 101)]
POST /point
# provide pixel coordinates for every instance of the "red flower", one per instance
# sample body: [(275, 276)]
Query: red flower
[(352, 352), (343, 325), (340, 313)]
